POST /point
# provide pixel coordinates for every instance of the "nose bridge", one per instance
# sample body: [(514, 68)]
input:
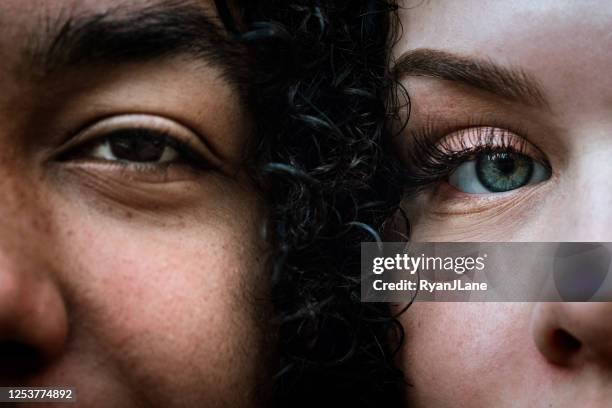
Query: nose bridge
[(586, 208), (22, 208)]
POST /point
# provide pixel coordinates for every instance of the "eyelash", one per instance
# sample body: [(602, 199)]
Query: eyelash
[(431, 160), (187, 154)]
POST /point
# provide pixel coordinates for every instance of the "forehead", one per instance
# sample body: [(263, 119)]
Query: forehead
[(468, 25), (26, 23), (564, 43), (14, 13)]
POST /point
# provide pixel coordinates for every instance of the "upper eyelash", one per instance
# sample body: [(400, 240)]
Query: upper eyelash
[(430, 161)]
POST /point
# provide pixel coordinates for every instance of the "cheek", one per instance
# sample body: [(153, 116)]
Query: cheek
[(174, 309), (528, 214), (472, 344), (570, 210)]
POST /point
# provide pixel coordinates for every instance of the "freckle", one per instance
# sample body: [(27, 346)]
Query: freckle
[(129, 214)]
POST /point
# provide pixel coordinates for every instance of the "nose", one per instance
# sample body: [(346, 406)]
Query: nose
[(574, 334), (33, 314)]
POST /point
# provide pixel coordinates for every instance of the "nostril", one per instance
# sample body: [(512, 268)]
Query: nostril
[(565, 342), (18, 358)]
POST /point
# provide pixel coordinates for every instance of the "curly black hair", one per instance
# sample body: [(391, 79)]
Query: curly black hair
[(320, 103)]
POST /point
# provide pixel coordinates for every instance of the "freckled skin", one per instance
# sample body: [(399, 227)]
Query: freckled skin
[(503, 355), (137, 289)]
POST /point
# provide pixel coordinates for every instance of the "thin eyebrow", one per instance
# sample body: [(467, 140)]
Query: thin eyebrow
[(155, 31), (509, 83)]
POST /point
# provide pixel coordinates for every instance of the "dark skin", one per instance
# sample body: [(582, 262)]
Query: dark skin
[(130, 272)]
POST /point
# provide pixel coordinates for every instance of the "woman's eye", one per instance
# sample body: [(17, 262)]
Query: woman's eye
[(496, 172), (136, 146)]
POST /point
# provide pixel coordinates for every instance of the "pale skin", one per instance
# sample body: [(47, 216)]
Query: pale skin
[(504, 355), (138, 285)]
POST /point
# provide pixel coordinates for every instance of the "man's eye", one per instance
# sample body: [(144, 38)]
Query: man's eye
[(139, 147), (496, 172), (144, 148), (136, 146)]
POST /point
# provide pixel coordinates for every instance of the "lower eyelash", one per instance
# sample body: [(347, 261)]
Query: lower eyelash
[(140, 167)]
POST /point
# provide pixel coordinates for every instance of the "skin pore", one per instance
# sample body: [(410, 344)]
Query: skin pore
[(524, 84), (131, 255)]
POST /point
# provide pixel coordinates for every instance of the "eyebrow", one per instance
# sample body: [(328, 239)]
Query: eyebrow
[(512, 84), (154, 31)]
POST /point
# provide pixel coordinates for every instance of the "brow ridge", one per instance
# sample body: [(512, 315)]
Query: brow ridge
[(154, 31), (510, 83)]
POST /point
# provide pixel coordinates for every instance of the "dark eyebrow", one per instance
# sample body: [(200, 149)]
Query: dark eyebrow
[(128, 34), (509, 83)]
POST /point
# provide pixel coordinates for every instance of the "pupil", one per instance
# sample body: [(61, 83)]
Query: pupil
[(499, 172), (505, 163), (137, 148)]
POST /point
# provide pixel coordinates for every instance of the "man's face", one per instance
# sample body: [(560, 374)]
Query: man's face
[(522, 92), (130, 248)]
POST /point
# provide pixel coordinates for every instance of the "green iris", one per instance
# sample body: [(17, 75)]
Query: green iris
[(503, 171)]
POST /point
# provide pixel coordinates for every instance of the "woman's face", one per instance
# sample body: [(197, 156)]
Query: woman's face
[(130, 248), (511, 109)]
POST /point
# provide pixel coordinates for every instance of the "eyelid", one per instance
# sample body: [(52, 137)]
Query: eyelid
[(435, 147), (161, 125), (472, 140), (433, 129)]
